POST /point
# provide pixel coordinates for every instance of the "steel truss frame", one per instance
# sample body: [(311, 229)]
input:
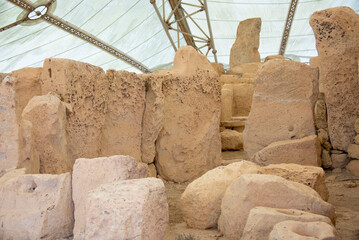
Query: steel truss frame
[(176, 21), (72, 29), (287, 26)]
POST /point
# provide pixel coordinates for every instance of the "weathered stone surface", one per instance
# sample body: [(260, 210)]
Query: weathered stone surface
[(9, 130), (10, 173), (218, 68), (235, 79), (122, 130), (226, 102), (339, 160), (282, 105), (353, 151), (337, 34), (313, 177), (28, 155), (152, 171), (353, 167), (304, 151), (272, 57), (48, 117), (326, 159), (295, 230), (91, 173), (189, 142), (245, 48), (242, 99), (246, 69), (127, 209), (43, 208), (252, 190), (356, 124), (231, 140), (201, 201), (84, 87), (261, 221), (356, 139), (153, 118), (320, 112), (26, 85), (323, 136)]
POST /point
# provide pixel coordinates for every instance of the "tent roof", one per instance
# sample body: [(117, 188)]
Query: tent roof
[(134, 28)]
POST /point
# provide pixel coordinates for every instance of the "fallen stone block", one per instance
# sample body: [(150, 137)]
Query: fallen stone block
[(201, 201), (91, 173), (295, 230), (36, 206), (231, 140), (252, 190), (261, 221), (127, 209)]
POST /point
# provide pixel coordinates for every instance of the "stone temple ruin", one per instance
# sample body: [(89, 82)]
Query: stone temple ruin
[(88, 154)]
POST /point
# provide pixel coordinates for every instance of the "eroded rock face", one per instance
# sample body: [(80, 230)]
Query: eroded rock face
[(245, 48), (304, 151), (337, 34), (47, 115), (189, 142), (201, 201), (91, 173), (122, 130), (138, 208), (231, 140), (353, 167), (43, 208), (310, 176), (295, 230), (282, 105), (252, 190), (242, 98), (84, 87), (261, 221)]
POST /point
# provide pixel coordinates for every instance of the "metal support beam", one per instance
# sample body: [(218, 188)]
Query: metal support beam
[(178, 20), (288, 25), (68, 27)]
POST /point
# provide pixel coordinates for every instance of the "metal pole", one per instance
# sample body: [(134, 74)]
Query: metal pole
[(214, 51)]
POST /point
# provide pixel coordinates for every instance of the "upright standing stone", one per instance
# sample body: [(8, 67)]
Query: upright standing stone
[(226, 102), (85, 88), (88, 174), (127, 209), (36, 206), (48, 117), (337, 35), (245, 48), (282, 105), (189, 143), (122, 130)]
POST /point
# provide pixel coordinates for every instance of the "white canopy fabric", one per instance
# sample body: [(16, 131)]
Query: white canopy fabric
[(134, 28)]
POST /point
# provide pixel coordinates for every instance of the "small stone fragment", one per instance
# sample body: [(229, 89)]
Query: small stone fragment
[(353, 151), (231, 140), (353, 167)]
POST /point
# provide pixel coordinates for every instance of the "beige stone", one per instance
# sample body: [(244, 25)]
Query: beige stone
[(252, 190), (226, 102), (326, 159), (304, 151), (310, 176), (261, 221), (242, 99), (356, 125), (91, 173), (337, 34), (43, 208), (48, 117), (152, 171), (323, 136), (296, 230), (153, 118), (189, 142), (245, 48), (235, 79), (84, 87), (127, 209), (272, 57), (218, 68), (282, 105), (320, 112), (356, 139), (201, 201), (231, 140), (9, 130), (353, 167), (246, 69), (353, 151), (122, 130), (339, 160), (11, 173)]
